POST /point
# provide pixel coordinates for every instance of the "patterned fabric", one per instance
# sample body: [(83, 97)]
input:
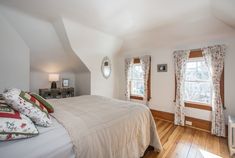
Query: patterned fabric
[(27, 97), (214, 57), (21, 102), (39, 100), (145, 64), (1, 97), (180, 60), (128, 63), (14, 125)]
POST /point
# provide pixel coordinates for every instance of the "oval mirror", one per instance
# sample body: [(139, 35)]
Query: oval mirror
[(106, 67)]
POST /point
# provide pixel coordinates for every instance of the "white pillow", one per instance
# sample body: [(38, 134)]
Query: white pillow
[(14, 125), (19, 101)]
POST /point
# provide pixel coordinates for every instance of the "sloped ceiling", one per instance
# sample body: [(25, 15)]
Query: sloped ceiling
[(225, 11), (125, 16), (46, 50), (120, 17), (34, 21)]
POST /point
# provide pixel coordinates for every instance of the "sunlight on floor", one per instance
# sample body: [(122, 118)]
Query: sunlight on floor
[(206, 154)]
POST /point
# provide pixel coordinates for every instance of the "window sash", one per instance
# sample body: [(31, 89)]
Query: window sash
[(196, 69), (132, 73), (135, 79), (199, 102), (131, 89)]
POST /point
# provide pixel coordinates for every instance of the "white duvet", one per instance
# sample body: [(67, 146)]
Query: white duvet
[(106, 128)]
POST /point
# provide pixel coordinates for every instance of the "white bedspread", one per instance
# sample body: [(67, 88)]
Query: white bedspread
[(106, 128)]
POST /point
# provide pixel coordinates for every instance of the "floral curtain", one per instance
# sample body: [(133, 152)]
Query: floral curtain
[(145, 62), (128, 63), (214, 57), (180, 60)]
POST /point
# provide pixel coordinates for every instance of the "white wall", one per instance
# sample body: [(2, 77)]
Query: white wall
[(91, 46), (14, 58), (83, 83), (160, 44)]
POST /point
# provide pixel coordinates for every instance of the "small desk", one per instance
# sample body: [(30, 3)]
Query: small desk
[(57, 93)]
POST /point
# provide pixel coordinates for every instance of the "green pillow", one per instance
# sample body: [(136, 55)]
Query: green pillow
[(47, 105)]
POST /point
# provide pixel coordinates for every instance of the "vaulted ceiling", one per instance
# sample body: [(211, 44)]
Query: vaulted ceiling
[(34, 21), (47, 53), (122, 17)]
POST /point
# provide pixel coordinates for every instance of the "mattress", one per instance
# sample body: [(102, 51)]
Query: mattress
[(87, 127), (52, 142), (102, 127)]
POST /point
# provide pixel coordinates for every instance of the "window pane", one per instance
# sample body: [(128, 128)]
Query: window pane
[(137, 87), (197, 82), (197, 71), (137, 72), (202, 71), (198, 92), (137, 80)]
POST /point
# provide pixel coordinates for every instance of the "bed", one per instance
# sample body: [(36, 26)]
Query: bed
[(90, 126)]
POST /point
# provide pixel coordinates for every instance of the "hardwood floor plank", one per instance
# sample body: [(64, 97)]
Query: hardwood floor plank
[(182, 146), (165, 130), (171, 143), (185, 142), (198, 144), (193, 152), (212, 145), (224, 152)]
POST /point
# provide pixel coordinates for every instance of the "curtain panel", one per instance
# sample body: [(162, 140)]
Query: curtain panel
[(128, 63), (180, 59), (145, 62), (214, 57)]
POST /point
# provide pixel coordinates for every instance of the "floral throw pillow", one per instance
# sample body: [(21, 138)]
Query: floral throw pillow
[(14, 125), (21, 102)]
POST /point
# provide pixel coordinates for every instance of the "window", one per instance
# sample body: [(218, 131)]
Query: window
[(197, 86), (198, 92), (137, 80)]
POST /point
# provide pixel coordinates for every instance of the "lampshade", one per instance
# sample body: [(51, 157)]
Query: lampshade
[(53, 77)]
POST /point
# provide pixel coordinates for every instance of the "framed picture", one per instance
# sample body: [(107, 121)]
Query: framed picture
[(65, 82), (162, 68)]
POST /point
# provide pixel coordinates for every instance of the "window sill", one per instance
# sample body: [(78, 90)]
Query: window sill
[(198, 106), (136, 97)]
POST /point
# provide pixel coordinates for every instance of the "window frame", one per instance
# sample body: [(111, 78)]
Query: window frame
[(137, 61), (197, 59), (196, 105)]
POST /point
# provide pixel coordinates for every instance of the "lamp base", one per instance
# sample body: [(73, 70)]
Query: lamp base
[(53, 85)]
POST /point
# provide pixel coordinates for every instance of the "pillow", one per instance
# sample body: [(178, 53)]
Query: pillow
[(42, 101), (1, 97), (21, 102), (14, 125), (2, 101)]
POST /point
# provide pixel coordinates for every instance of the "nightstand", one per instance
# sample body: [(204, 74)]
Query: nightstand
[(57, 93)]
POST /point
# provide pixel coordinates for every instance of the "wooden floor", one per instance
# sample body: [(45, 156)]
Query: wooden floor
[(185, 142)]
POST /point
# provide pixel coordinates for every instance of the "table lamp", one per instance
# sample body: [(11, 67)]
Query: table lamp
[(53, 78)]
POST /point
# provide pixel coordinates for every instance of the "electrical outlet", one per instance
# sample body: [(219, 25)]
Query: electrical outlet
[(188, 123)]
